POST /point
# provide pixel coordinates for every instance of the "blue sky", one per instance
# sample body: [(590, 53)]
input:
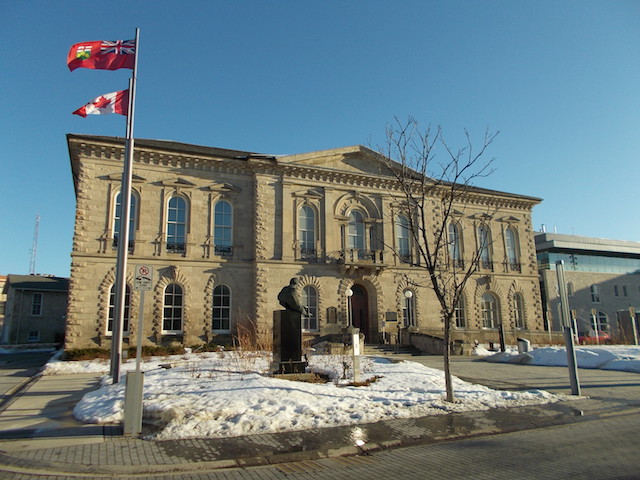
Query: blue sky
[(560, 80)]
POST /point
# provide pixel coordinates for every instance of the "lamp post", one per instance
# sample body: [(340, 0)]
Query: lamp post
[(408, 295), (355, 339), (349, 293)]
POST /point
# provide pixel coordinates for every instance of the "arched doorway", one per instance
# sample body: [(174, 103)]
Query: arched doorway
[(360, 310)]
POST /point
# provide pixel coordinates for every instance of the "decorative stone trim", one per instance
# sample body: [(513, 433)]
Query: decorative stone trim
[(169, 275), (308, 280), (403, 285), (104, 291)]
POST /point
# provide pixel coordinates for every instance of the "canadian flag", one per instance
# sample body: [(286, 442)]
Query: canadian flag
[(116, 102)]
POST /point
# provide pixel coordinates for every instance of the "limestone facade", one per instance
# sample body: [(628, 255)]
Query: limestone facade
[(225, 230)]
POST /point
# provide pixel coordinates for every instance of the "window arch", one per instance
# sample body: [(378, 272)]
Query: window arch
[(484, 247), (112, 309), (489, 308), (117, 215), (307, 231), (459, 313), (176, 225), (173, 309), (221, 309), (455, 244), (518, 311), (403, 239), (223, 228), (309, 299), (513, 250)]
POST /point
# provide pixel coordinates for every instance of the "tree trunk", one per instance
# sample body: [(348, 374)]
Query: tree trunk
[(447, 362)]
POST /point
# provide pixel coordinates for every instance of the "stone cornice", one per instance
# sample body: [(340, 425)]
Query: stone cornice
[(236, 162)]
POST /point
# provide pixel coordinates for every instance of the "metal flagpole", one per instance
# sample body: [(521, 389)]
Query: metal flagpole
[(125, 217)]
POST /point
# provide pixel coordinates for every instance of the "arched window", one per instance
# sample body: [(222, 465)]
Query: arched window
[(484, 247), (132, 220), (177, 225), (455, 245), (307, 231), (172, 309), (459, 314), (355, 231), (409, 308), (518, 311), (402, 235), (221, 309), (513, 251), (112, 308), (223, 229), (489, 309), (310, 300)]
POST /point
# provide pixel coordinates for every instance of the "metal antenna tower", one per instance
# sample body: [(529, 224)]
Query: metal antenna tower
[(34, 247)]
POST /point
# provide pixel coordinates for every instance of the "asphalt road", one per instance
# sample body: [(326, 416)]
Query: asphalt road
[(16, 369)]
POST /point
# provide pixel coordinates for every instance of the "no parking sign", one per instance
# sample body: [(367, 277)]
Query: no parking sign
[(143, 277)]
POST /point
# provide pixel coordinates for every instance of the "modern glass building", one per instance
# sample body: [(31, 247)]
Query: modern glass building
[(603, 280)]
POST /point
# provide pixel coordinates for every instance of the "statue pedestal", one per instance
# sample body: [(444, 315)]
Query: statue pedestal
[(287, 342)]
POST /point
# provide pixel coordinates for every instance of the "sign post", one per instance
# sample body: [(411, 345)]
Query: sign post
[(135, 380), (355, 341), (568, 335), (634, 327), (594, 318)]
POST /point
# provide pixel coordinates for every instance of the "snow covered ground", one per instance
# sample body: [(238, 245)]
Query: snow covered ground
[(625, 358), (227, 394)]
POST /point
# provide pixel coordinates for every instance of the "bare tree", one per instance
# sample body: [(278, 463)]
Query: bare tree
[(435, 190)]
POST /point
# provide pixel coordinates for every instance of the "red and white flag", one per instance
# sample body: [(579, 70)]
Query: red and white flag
[(116, 102), (102, 55)]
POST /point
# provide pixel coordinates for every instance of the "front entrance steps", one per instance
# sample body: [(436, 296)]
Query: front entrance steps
[(390, 350)]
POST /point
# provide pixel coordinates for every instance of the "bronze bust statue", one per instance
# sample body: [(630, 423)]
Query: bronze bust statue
[(288, 298)]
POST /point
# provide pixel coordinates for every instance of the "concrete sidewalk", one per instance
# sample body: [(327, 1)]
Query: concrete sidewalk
[(38, 434)]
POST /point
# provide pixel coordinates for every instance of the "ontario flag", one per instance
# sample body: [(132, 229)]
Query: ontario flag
[(116, 102), (102, 55)]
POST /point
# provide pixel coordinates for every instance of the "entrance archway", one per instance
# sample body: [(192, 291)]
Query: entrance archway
[(360, 310)]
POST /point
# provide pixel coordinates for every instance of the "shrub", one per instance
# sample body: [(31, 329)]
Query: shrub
[(78, 354)]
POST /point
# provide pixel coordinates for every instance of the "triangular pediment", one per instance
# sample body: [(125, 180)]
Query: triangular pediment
[(180, 182), (357, 159), (134, 178), (222, 188), (310, 193)]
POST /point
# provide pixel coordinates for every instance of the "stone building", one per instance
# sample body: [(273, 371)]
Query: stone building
[(3, 301), (603, 281), (225, 230), (34, 309)]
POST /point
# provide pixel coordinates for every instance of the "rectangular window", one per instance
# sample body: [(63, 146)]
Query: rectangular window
[(36, 306), (34, 336), (310, 301), (625, 293), (595, 294), (459, 314), (616, 292), (221, 309)]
